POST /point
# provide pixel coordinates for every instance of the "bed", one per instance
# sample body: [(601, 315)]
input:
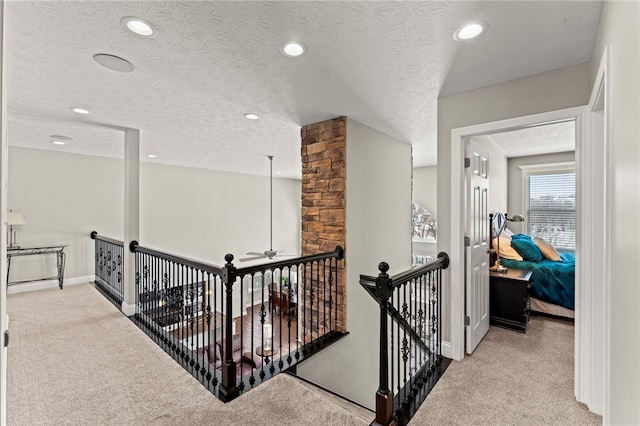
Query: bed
[(552, 282)]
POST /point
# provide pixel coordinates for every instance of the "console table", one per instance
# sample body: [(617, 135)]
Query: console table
[(32, 251)]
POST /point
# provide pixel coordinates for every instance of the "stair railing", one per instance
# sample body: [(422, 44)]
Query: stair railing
[(109, 267), (410, 357), (234, 328)]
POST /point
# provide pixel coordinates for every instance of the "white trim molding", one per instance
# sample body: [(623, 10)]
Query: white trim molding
[(592, 343), (127, 309), (445, 347), (46, 284), (458, 138)]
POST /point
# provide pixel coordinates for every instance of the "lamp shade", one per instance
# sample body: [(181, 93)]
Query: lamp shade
[(266, 330), (516, 218), (15, 218), (266, 336)]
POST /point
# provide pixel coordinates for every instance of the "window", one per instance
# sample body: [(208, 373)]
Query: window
[(256, 282), (551, 207)]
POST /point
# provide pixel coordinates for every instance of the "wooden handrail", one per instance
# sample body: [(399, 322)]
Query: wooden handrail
[(94, 236)]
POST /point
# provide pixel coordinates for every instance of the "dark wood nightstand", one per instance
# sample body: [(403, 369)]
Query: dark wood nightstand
[(509, 298)]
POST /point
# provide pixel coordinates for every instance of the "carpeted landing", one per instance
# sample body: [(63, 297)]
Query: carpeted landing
[(74, 359)]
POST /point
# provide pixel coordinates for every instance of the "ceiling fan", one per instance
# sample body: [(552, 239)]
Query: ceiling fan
[(271, 253)]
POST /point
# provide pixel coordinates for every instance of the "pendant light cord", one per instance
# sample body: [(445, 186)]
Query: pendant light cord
[(270, 202)]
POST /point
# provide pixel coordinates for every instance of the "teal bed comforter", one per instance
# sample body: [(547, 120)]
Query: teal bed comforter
[(551, 281)]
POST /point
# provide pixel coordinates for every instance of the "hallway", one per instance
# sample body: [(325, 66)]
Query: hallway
[(75, 359)]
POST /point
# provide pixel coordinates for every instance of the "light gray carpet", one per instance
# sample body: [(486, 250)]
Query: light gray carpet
[(74, 359), (511, 379)]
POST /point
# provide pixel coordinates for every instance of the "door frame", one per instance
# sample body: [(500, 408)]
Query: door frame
[(4, 163), (592, 381), (588, 333)]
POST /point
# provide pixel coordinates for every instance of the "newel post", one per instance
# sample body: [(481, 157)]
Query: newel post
[(384, 396), (228, 388)]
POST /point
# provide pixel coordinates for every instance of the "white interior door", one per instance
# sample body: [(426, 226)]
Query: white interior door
[(477, 250)]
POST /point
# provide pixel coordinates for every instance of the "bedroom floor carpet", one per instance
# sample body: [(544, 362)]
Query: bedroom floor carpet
[(511, 379), (74, 359)]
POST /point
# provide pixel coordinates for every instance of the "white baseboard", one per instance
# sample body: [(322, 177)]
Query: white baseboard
[(128, 310), (42, 285), (446, 350)]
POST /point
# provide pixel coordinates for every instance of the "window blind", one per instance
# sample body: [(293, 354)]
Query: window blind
[(551, 213)]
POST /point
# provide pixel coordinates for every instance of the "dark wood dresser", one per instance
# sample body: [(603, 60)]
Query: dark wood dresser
[(509, 298)]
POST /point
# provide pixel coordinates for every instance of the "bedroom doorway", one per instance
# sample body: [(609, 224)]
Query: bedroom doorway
[(591, 322), (497, 196), (533, 175)]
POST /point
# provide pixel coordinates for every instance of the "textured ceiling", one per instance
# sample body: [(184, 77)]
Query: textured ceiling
[(545, 139), (383, 64)]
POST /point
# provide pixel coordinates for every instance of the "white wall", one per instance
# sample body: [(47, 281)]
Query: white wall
[(378, 228), (205, 214), (554, 90), (63, 197), (620, 28), (498, 175), (202, 214), (425, 188), (516, 195)]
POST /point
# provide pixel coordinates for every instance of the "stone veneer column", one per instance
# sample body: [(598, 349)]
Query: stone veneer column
[(323, 204)]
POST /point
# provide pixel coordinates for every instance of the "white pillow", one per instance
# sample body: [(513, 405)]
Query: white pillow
[(506, 251)]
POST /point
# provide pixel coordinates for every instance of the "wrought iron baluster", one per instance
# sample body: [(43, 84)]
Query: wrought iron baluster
[(414, 324), (421, 317), (324, 295), (438, 295), (406, 345), (281, 304), (176, 300), (290, 315), (397, 307), (120, 275), (217, 284), (329, 294), (392, 352), (311, 300), (152, 292), (137, 282), (318, 299), (240, 282), (300, 305), (305, 304)]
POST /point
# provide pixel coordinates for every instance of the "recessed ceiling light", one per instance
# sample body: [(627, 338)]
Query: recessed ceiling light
[(251, 116), (114, 63), (138, 26), (57, 142), (293, 49), (151, 156), (469, 31), (61, 138), (80, 110)]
